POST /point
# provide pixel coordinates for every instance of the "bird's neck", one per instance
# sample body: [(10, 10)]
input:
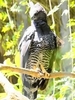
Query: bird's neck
[(41, 26), (39, 23)]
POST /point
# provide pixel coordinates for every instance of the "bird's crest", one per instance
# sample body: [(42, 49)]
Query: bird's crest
[(31, 4), (35, 8)]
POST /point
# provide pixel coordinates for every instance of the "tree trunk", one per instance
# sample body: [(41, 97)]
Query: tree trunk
[(65, 34)]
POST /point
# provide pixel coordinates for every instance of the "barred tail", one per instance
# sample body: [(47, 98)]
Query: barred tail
[(30, 87)]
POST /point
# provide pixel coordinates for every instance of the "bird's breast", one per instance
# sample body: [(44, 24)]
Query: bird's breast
[(44, 41)]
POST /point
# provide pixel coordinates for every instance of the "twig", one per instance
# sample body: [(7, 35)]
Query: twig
[(15, 95), (12, 94), (36, 74)]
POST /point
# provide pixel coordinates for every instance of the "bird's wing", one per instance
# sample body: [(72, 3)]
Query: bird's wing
[(26, 39), (24, 45)]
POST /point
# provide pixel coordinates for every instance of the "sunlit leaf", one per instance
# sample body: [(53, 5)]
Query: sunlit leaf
[(7, 53), (71, 22), (72, 4), (73, 52), (17, 59), (8, 62), (4, 16), (6, 28), (2, 3), (9, 44), (16, 8), (21, 27), (52, 26), (67, 55)]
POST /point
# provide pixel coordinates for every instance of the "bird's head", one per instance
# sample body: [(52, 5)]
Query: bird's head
[(37, 12)]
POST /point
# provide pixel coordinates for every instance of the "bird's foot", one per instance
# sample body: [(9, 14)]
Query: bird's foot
[(46, 74), (43, 70)]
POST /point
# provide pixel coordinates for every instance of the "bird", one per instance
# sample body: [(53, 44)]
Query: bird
[(37, 50)]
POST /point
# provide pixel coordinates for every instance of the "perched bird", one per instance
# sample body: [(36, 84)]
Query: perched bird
[(37, 48)]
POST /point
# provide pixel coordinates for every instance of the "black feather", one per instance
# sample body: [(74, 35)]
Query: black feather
[(37, 47)]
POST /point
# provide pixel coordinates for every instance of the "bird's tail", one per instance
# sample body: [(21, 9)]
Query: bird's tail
[(43, 84), (30, 87)]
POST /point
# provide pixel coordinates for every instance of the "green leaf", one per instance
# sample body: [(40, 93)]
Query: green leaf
[(72, 4), (16, 8), (71, 22), (52, 26), (67, 55), (9, 44), (17, 59), (8, 62), (2, 3), (8, 53), (3, 15), (6, 28)]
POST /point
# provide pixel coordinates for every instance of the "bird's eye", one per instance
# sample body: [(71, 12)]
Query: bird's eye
[(36, 14)]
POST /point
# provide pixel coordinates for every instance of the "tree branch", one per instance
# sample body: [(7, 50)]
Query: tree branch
[(12, 94), (36, 74), (15, 95)]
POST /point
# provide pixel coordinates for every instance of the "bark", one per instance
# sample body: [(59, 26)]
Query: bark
[(65, 34), (36, 73), (12, 94)]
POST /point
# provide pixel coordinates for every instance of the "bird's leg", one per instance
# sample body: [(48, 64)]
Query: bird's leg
[(44, 70), (40, 68), (36, 67)]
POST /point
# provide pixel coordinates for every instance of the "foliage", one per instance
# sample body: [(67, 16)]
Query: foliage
[(10, 30)]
